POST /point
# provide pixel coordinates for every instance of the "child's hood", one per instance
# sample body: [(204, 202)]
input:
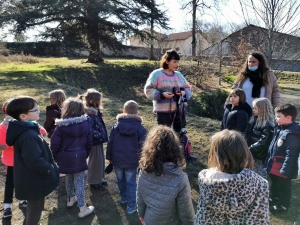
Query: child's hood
[(91, 110), (128, 124), (233, 195), (16, 128), (7, 119), (71, 125), (293, 127), (171, 168), (245, 106)]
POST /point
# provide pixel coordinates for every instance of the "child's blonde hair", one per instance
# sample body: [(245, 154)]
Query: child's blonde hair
[(57, 96), (265, 112), (131, 107), (238, 92), (74, 106), (229, 152), (92, 98)]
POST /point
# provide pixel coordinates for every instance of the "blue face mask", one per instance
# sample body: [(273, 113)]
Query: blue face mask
[(253, 68)]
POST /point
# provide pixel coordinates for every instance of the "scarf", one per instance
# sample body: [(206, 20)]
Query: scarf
[(256, 81)]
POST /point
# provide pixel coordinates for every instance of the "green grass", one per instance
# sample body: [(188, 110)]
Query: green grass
[(119, 80)]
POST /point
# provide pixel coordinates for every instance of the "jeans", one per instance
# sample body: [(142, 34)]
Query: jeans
[(126, 180)]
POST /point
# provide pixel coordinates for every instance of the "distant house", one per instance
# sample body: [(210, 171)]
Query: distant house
[(253, 37), (181, 42)]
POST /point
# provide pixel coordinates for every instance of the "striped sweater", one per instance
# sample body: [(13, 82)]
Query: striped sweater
[(158, 82)]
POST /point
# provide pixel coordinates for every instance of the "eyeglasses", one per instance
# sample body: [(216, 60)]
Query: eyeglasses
[(34, 110)]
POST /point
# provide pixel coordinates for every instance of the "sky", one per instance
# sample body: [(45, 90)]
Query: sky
[(225, 15)]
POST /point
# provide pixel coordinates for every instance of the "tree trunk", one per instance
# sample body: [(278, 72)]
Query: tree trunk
[(194, 29), (151, 55)]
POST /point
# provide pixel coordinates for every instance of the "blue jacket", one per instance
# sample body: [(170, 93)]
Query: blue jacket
[(71, 144), (236, 118), (282, 158), (96, 122), (35, 172), (125, 141)]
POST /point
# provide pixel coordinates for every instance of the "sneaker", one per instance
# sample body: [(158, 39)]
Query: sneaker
[(97, 186), (23, 204), (71, 201), (130, 211), (278, 209), (123, 201), (7, 213), (273, 201), (85, 210), (62, 175)]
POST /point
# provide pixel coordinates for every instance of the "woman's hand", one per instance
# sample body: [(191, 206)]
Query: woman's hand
[(167, 94)]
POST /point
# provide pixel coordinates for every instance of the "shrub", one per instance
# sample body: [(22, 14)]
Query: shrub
[(229, 79), (20, 58), (209, 104)]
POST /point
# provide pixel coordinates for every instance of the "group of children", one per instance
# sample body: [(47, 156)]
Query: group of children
[(275, 148), (231, 191)]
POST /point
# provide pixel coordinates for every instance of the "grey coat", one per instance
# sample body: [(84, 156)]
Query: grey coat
[(165, 199)]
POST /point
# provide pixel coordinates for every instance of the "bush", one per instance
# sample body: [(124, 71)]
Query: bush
[(209, 104), (229, 79), (19, 58)]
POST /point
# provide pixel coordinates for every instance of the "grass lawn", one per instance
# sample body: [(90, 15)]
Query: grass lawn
[(119, 81)]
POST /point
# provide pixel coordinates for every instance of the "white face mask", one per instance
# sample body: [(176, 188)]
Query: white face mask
[(253, 68)]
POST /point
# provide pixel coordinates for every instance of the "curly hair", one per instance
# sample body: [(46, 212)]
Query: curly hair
[(265, 112), (92, 98), (161, 145), (229, 152), (263, 68)]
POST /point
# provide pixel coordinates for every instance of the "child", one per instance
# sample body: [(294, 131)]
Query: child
[(123, 150), (35, 172), (237, 112), (282, 157), (259, 133), (71, 143), (162, 87), (96, 163), (53, 111), (230, 193), (163, 191)]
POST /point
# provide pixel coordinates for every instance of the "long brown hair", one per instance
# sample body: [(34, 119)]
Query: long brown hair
[(263, 68), (57, 96), (229, 152), (92, 98), (161, 145)]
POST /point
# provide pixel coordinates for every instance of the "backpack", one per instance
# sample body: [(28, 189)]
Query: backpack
[(184, 140)]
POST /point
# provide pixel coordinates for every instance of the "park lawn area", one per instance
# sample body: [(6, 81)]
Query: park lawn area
[(119, 80)]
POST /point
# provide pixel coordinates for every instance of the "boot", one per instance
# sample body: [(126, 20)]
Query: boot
[(71, 201), (85, 211)]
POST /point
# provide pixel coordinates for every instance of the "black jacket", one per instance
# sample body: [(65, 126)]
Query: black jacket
[(236, 118), (283, 153), (52, 113), (259, 139), (35, 172)]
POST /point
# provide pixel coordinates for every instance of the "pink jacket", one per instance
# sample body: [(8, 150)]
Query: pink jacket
[(8, 153)]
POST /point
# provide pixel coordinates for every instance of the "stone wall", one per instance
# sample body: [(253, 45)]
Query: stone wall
[(285, 65)]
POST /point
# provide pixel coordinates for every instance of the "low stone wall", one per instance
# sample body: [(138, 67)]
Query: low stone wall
[(285, 65)]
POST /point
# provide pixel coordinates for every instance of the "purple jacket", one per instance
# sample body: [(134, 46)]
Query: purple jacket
[(125, 141), (71, 144), (97, 124)]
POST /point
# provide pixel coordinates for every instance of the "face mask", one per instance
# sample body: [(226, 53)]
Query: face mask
[(252, 68)]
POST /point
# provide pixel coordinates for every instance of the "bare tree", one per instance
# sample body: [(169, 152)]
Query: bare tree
[(201, 6), (279, 17)]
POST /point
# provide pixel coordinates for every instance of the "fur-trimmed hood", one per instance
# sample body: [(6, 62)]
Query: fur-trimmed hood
[(91, 110), (129, 116), (232, 195), (7, 119), (70, 120), (128, 124)]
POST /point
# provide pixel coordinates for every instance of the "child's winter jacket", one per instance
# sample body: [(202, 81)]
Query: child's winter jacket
[(35, 172), (97, 124), (236, 118), (259, 139), (125, 141), (239, 200), (282, 158), (71, 144), (165, 199), (52, 113)]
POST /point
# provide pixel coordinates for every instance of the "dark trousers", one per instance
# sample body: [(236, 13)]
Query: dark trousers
[(165, 119), (281, 189), (34, 211), (9, 185)]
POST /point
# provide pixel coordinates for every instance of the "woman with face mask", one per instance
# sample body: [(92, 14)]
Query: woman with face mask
[(257, 80)]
